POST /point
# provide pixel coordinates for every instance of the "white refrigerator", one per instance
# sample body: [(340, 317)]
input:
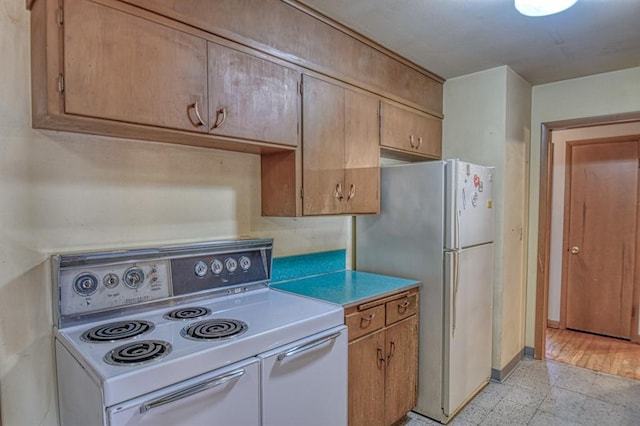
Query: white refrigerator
[(436, 225)]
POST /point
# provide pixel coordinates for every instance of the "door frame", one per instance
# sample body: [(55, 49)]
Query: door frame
[(544, 218)]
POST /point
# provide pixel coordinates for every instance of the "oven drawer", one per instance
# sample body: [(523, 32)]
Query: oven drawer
[(305, 382), (230, 395)]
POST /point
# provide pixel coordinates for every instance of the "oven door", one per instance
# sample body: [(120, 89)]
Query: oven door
[(230, 395), (305, 382)]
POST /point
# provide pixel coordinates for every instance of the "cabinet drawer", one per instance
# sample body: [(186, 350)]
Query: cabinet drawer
[(364, 322), (401, 308)]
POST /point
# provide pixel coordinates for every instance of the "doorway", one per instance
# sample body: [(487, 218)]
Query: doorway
[(594, 127)]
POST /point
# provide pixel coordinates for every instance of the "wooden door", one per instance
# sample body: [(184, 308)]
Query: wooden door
[(122, 67), (362, 153), (600, 240), (323, 124), (252, 98), (410, 131), (366, 380), (401, 385)]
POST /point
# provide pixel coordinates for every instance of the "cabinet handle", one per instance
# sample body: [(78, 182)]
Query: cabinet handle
[(221, 115), (367, 320), (402, 307), (392, 350), (411, 141), (380, 357), (352, 192), (194, 107), (305, 347), (338, 192), (419, 143)]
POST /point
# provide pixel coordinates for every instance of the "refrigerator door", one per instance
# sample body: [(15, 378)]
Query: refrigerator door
[(469, 216), (468, 324)]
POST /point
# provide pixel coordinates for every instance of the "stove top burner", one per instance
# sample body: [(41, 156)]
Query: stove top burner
[(136, 353), (116, 331), (214, 329), (189, 313)]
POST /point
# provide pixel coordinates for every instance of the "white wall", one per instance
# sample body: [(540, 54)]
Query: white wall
[(601, 94), (487, 122), (68, 192), (559, 139)]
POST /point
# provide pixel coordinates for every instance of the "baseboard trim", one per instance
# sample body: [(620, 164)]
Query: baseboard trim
[(501, 375), (553, 324)]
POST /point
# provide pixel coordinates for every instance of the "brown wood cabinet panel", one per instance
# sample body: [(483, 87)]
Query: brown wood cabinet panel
[(252, 98), (399, 309), (322, 147), (383, 336), (366, 381), (401, 385), (122, 67), (410, 131), (362, 153), (365, 322), (298, 35)]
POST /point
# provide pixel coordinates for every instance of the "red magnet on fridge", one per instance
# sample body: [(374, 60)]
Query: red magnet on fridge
[(476, 180)]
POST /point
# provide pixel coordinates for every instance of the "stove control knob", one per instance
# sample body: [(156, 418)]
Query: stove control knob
[(200, 268), (134, 277), (85, 284), (216, 266), (110, 280), (245, 263), (231, 264)]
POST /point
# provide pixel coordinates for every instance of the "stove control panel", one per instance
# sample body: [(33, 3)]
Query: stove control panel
[(90, 289)]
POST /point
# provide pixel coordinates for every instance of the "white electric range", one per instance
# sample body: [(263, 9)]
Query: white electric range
[(193, 335)]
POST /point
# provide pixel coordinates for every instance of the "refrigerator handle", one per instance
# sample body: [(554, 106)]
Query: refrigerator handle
[(455, 293)]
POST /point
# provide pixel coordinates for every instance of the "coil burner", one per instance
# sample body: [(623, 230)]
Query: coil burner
[(189, 313), (136, 353), (214, 329), (114, 331)]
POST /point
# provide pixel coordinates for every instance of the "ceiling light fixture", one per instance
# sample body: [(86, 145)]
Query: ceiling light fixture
[(542, 7)]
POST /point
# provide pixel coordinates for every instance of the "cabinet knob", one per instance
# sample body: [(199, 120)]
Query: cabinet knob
[(575, 250)]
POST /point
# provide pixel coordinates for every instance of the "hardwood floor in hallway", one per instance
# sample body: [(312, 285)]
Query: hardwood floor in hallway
[(599, 353)]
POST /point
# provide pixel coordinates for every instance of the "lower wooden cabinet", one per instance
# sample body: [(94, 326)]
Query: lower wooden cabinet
[(383, 359)]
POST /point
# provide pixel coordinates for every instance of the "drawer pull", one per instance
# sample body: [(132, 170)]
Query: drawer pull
[(402, 307), (365, 321)]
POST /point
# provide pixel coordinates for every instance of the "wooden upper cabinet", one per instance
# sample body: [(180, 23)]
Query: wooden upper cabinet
[(405, 132), (340, 150), (252, 98), (121, 67)]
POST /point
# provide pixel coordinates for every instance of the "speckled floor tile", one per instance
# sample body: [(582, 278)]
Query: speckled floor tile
[(548, 393), (509, 413)]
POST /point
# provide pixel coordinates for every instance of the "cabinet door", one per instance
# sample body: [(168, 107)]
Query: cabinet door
[(409, 131), (323, 123), (362, 153), (252, 98), (401, 386), (122, 67), (366, 381)]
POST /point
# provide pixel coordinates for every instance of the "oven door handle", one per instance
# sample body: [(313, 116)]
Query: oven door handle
[(306, 346), (191, 390)]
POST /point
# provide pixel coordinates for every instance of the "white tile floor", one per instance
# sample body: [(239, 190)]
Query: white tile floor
[(549, 393)]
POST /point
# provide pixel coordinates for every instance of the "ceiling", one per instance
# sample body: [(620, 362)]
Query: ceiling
[(457, 37)]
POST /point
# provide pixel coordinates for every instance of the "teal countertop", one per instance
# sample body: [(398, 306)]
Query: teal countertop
[(346, 287)]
